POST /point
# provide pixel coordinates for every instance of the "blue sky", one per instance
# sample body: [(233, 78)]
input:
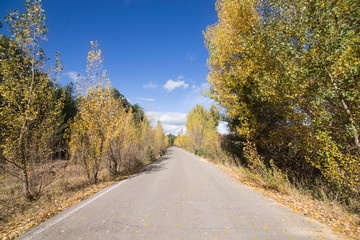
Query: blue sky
[(153, 50)]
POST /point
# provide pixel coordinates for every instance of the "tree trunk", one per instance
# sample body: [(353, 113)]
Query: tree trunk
[(113, 165), (348, 113), (24, 163), (26, 185), (95, 176)]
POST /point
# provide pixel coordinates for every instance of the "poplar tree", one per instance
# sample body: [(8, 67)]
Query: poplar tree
[(160, 140), (30, 110), (287, 74), (89, 130), (201, 136)]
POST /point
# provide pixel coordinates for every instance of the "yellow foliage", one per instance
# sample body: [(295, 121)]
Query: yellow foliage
[(339, 168), (286, 73), (105, 132)]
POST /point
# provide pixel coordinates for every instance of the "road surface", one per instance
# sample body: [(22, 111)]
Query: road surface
[(180, 196)]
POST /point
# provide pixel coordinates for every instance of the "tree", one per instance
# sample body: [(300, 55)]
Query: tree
[(316, 43), (122, 141), (171, 138), (160, 140), (30, 111), (89, 130), (108, 129), (201, 136), (286, 73)]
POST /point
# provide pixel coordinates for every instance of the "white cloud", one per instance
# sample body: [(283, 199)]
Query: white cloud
[(73, 75), (179, 83), (174, 118), (174, 129), (150, 85), (147, 99), (173, 122)]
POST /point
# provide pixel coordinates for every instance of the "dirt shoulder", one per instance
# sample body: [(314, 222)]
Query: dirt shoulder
[(343, 223), (62, 194)]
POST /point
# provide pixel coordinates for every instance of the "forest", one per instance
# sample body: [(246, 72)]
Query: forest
[(53, 135)]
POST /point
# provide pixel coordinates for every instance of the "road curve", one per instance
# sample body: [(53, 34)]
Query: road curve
[(180, 196)]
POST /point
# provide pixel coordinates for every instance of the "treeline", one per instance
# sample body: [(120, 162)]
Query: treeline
[(201, 135), (287, 75), (91, 124)]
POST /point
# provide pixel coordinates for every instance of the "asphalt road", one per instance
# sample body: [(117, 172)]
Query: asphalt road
[(180, 196)]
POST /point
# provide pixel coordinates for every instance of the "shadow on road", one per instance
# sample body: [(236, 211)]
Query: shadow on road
[(158, 165)]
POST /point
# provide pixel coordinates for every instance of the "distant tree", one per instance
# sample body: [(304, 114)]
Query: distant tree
[(70, 103), (171, 138), (138, 112), (160, 140), (68, 113), (201, 130), (181, 141), (121, 98), (136, 109)]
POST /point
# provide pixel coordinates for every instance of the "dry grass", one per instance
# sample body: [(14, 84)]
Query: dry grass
[(18, 215), (331, 213)]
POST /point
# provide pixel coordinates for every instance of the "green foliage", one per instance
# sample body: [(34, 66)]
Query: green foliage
[(286, 72), (338, 168), (70, 108), (171, 138)]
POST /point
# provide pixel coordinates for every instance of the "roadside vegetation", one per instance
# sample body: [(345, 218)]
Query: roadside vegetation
[(60, 144), (286, 76)]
